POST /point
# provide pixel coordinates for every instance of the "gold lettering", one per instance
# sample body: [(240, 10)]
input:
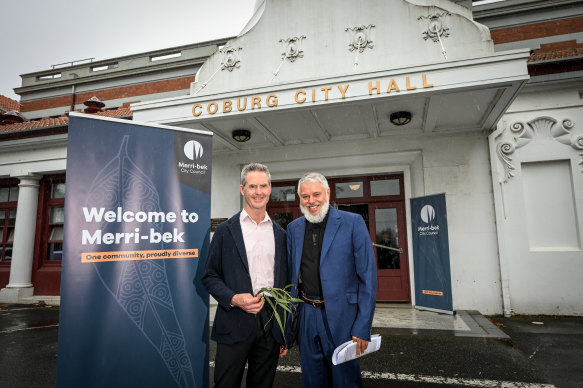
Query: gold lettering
[(313, 95), (409, 87), (325, 90), (425, 84), (239, 107), (377, 87), (227, 106), (255, 101), (271, 100), (343, 90), (299, 101), (212, 108), (194, 112), (393, 86)]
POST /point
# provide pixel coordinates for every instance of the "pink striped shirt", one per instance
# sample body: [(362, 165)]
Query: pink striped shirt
[(260, 248)]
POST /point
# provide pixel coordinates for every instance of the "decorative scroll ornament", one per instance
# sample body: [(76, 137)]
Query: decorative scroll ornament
[(293, 48), (540, 128), (230, 58), (504, 150), (361, 38)]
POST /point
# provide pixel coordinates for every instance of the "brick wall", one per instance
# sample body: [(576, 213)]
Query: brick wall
[(110, 94), (537, 30)]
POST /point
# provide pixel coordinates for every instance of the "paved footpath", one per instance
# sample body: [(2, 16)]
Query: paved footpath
[(419, 349)]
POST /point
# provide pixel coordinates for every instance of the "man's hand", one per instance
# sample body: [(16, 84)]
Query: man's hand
[(282, 350), (248, 303), (361, 345)]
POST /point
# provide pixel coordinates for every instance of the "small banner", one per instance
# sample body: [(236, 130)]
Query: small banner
[(431, 254), (136, 234)]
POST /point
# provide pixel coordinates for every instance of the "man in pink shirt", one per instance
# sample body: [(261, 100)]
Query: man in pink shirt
[(247, 253)]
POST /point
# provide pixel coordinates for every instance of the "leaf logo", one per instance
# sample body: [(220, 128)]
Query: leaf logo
[(427, 213), (193, 150)]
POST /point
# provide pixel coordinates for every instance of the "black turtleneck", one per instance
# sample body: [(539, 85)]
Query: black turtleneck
[(310, 266)]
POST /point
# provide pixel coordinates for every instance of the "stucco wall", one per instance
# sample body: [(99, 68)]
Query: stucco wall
[(536, 163)]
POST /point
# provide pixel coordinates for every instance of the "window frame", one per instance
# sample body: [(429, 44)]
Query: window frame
[(44, 226), (293, 206), (6, 207)]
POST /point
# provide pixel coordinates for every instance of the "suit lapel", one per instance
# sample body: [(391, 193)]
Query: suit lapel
[(298, 248), (332, 226), (234, 226), (278, 236)]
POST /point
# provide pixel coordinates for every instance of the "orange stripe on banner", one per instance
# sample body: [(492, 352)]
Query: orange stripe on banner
[(428, 292), (101, 257)]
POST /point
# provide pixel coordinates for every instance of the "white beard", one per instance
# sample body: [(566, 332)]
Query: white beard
[(317, 218)]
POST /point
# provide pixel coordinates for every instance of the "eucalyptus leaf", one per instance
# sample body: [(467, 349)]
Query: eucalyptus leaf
[(282, 298)]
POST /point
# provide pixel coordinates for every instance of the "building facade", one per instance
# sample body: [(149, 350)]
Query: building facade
[(391, 101)]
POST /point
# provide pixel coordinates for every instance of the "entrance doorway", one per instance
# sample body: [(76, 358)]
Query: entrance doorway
[(380, 200)]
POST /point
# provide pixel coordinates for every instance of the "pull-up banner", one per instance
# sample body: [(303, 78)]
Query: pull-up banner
[(136, 233), (431, 254)]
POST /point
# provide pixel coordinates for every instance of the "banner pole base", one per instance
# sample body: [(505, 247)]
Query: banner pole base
[(450, 312)]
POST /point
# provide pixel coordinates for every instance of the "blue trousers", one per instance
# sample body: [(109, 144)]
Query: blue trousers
[(316, 349)]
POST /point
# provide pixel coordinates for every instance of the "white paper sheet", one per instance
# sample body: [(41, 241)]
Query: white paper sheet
[(347, 351)]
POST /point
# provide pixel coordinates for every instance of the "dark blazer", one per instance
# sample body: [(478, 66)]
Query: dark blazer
[(227, 274), (348, 273)]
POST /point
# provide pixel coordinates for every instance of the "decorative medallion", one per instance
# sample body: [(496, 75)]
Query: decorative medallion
[(435, 26), (230, 58), (361, 38), (293, 48)]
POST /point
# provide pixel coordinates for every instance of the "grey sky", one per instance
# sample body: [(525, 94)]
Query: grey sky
[(36, 34)]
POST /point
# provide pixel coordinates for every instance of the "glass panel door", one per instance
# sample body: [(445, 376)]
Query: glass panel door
[(387, 236), (390, 241)]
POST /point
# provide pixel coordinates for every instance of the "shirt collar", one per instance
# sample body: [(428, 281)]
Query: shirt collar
[(244, 215)]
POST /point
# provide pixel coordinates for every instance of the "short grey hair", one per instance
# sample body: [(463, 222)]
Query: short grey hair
[(313, 177), (254, 167)]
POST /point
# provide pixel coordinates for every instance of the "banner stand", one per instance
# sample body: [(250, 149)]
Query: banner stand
[(431, 254), (136, 234)]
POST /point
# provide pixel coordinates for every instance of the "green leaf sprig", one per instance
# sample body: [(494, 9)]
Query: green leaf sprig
[(282, 298)]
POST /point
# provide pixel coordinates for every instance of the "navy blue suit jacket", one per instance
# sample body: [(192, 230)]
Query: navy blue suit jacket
[(227, 274), (348, 273)]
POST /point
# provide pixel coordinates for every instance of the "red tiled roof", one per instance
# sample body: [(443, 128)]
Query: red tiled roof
[(35, 124), (8, 104), (557, 50), (124, 111), (58, 121)]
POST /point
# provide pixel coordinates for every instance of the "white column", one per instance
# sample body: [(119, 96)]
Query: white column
[(20, 285)]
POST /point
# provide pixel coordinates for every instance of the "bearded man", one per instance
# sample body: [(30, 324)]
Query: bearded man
[(333, 269)]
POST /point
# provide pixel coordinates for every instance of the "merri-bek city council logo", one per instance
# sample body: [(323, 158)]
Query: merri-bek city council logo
[(193, 150), (428, 216), (427, 213)]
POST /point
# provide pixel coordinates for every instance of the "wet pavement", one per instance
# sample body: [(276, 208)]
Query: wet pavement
[(419, 349)]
